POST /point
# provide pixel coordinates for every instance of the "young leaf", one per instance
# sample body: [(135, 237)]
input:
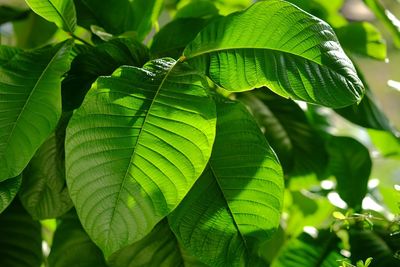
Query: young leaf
[(61, 12), (158, 248), (135, 147), (277, 45), (97, 61), (8, 190), (299, 147), (307, 251), (44, 193), (72, 246), (30, 103), (351, 164), (236, 203), (21, 240)]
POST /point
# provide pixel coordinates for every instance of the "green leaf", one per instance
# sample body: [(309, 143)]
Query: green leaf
[(8, 13), (61, 12), (72, 246), (387, 144), (33, 32), (166, 43), (88, 65), (146, 13), (299, 147), (351, 164), (21, 241), (30, 103), (236, 203), (197, 9), (8, 190), (376, 244), (307, 251), (44, 193), (261, 47), (362, 38), (135, 147), (391, 22), (115, 16), (158, 248)]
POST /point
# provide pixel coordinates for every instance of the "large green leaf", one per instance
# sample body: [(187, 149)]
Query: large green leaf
[(8, 13), (44, 193), (236, 203), (391, 22), (362, 38), (158, 249), (72, 246), (277, 45), (306, 251), (351, 164), (8, 190), (30, 103), (114, 16), (21, 240), (97, 61), (135, 147), (299, 147), (61, 12)]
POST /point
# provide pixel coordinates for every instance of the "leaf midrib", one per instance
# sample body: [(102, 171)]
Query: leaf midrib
[(133, 156), (61, 16)]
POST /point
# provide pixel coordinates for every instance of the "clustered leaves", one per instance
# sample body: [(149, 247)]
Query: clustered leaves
[(180, 152)]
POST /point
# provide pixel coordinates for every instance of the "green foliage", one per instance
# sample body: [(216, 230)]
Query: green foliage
[(211, 141)]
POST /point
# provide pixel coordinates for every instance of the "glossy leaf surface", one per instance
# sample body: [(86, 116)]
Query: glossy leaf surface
[(135, 147), (8, 190)]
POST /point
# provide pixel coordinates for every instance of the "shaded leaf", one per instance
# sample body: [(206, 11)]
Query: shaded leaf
[(21, 241), (351, 164), (72, 246), (44, 192), (135, 147), (197, 9), (8, 190), (261, 47), (90, 64), (8, 13), (30, 103), (61, 12), (235, 205), (158, 249)]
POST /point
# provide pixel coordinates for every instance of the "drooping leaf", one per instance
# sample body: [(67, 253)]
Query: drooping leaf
[(166, 43), (8, 13), (135, 147), (351, 164), (236, 203), (158, 249), (90, 64), (299, 147), (277, 45), (72, 246), (44, 192), (307, 251), (146, 13), (33, 32), (30, 103), (391, 22), (114, 16), (379, 245), (362, 38), (197, 9), (21, 241), (8, 190), (61, 12)]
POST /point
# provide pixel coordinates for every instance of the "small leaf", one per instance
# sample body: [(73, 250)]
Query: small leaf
[(61, 12), (197, 9), (351, 164), (72, 246), (387, 144), (338, 215), (8, 190), (135, 147), (30, 103), (146, 13), (236, 203), (261, 47), (21, 241)]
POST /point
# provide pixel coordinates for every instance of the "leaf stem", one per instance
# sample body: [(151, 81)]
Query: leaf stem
[(80, 39)]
